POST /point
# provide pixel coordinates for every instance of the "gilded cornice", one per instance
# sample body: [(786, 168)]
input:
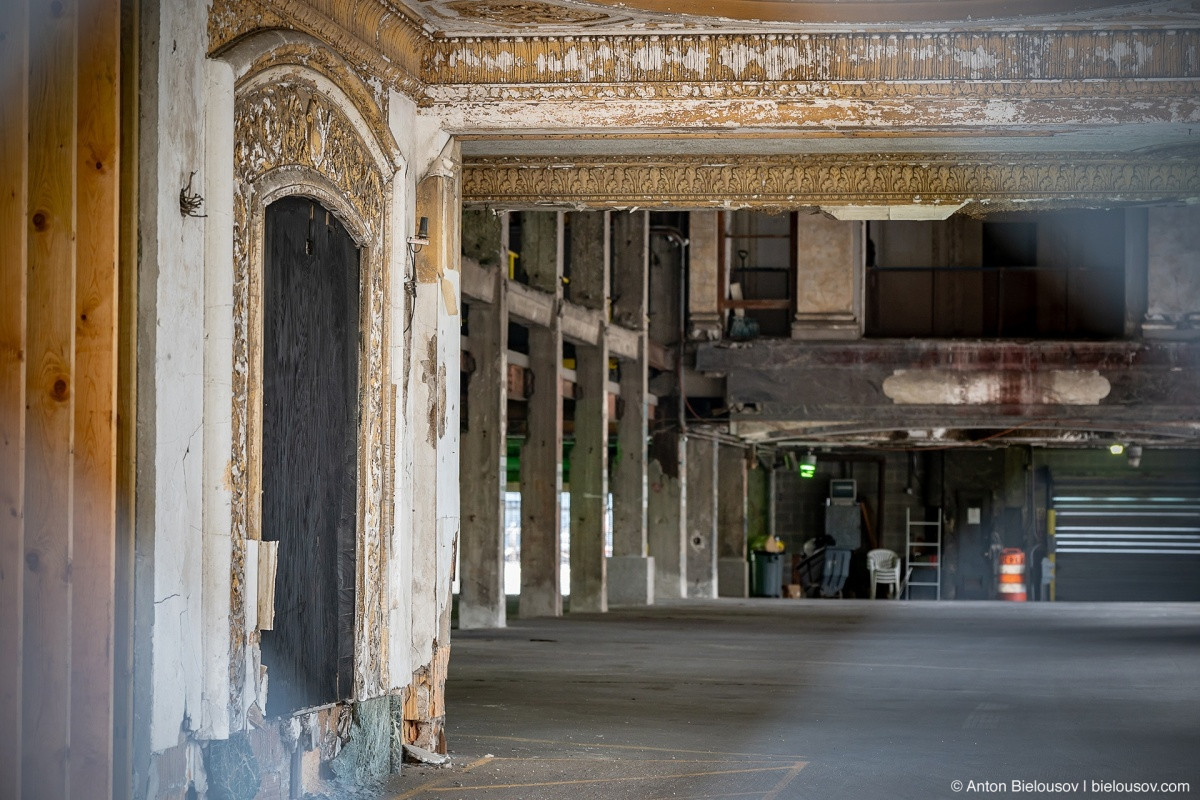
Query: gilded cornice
[(987, 181)]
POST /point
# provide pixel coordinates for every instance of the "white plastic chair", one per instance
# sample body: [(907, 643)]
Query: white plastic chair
[(884, 567)]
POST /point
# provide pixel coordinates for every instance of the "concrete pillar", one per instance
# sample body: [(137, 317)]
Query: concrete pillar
[(541, 456), (758, 522), (1172, 281), (829, 278), (589, 258), (704, 291), (484, 450), (589, 479), (630, 259), (589, 457), (701, 517), (631, 570), (666, 519), (733, 575)]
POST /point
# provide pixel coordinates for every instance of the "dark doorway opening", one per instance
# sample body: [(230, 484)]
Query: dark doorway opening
[(310, 354)]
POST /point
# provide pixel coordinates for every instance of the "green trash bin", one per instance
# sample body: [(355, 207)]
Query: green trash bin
[(766, 574)]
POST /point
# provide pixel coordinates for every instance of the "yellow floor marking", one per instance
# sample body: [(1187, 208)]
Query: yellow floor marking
[(559, 742), (581, 781), (428, 786), (785, 780)]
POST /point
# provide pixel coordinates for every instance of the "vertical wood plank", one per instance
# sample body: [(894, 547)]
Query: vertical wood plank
[(14, 137), (49, 399), (94, 508)]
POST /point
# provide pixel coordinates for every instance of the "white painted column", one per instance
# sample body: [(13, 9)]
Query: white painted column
[(170, 660), (215, 714), (434, 392)]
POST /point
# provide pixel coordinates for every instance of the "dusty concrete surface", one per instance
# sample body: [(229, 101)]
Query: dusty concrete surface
[(823, 699)]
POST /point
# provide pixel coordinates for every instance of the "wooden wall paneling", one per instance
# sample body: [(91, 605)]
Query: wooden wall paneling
[(14, 138), (94, 508), (50, 388)]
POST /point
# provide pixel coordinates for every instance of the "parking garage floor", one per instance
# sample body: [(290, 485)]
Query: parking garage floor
[(766, 699)]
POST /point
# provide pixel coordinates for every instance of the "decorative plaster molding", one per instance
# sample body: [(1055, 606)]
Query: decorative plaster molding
[(523, 12), (376, 37), (810, 91), (822, 57), (743, 181), (293, 138), (385, 41), (308, 56)]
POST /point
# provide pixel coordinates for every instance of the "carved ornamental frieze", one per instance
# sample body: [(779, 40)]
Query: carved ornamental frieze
[(993, 181)]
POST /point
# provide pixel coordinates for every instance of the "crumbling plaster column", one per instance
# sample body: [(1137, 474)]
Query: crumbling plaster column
[(701, 517), (484, 447), (631, 569), (541, 455), (434, 392)]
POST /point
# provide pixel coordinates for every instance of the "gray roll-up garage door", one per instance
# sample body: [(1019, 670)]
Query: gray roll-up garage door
[(1127, 539)]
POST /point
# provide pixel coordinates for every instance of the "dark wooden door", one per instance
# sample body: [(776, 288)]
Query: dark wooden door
[(309, 463)]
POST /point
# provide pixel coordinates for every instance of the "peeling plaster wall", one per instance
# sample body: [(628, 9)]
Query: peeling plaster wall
[(432, 404), (169, 675)]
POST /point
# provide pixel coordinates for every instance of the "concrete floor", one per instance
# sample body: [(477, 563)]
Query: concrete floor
[(823, 699)]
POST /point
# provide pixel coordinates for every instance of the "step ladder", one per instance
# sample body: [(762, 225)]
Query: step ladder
[(923, 554)]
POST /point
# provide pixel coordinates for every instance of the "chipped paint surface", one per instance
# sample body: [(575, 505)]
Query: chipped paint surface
[(954, 388), (933, 56)]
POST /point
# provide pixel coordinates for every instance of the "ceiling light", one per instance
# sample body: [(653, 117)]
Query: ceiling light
[(808, 466)]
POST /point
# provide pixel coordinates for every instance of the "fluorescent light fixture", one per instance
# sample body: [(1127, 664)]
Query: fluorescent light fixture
[(913, 211), (808, 466)]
